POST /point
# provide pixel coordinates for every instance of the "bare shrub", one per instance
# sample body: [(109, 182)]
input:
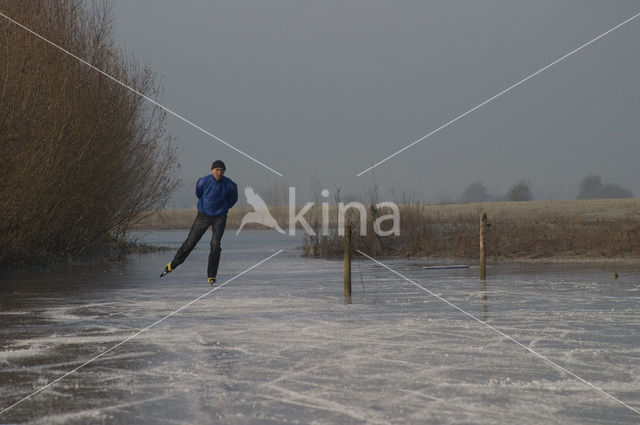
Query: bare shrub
[(84, 155)]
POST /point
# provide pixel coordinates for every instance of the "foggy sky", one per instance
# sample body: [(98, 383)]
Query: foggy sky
[(327, 88)]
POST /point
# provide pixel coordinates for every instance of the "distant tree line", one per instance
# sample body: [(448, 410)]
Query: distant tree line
[(478, 192), (591, 187), (81, 155)]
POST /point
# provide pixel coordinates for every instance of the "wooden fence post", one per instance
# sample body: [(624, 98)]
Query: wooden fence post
[(347, 261), (483, 245)]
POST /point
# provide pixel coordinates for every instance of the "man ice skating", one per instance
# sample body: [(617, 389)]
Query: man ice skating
[(216, 194)]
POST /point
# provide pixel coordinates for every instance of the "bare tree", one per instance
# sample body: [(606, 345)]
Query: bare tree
[(591, 187), (520, 191), (475, 192)]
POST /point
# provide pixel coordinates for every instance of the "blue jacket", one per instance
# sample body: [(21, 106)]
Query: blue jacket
[(215, 198)]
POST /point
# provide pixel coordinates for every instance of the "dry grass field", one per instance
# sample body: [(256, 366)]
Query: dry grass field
[(585, 209), (576, 229)]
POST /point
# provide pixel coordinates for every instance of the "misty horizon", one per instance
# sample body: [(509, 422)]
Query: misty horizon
[(327, 89)]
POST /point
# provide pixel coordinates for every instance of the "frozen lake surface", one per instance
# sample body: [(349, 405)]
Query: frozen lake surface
[(280, 345)]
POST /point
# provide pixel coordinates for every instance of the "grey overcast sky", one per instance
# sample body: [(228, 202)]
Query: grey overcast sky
[(329, 87)]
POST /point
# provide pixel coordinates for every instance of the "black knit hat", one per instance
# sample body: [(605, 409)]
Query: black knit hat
[(218, 164)]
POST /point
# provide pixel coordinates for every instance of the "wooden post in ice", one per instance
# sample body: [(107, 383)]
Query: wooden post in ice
[(483, 245), (347, 261)]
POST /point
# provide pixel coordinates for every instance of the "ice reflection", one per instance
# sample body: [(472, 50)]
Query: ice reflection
[(485, 298)]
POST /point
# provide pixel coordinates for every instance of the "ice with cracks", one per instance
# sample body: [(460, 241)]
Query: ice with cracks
[(280, 344)]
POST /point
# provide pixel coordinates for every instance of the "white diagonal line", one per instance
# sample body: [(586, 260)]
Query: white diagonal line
[(213, 136), (499, 94), (502, 334), (136, 334)]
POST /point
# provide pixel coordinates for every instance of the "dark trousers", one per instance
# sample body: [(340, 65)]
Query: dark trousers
[(199, 226)]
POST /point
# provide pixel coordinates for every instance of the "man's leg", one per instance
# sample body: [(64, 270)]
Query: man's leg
[(217, 227), (199, 226)]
